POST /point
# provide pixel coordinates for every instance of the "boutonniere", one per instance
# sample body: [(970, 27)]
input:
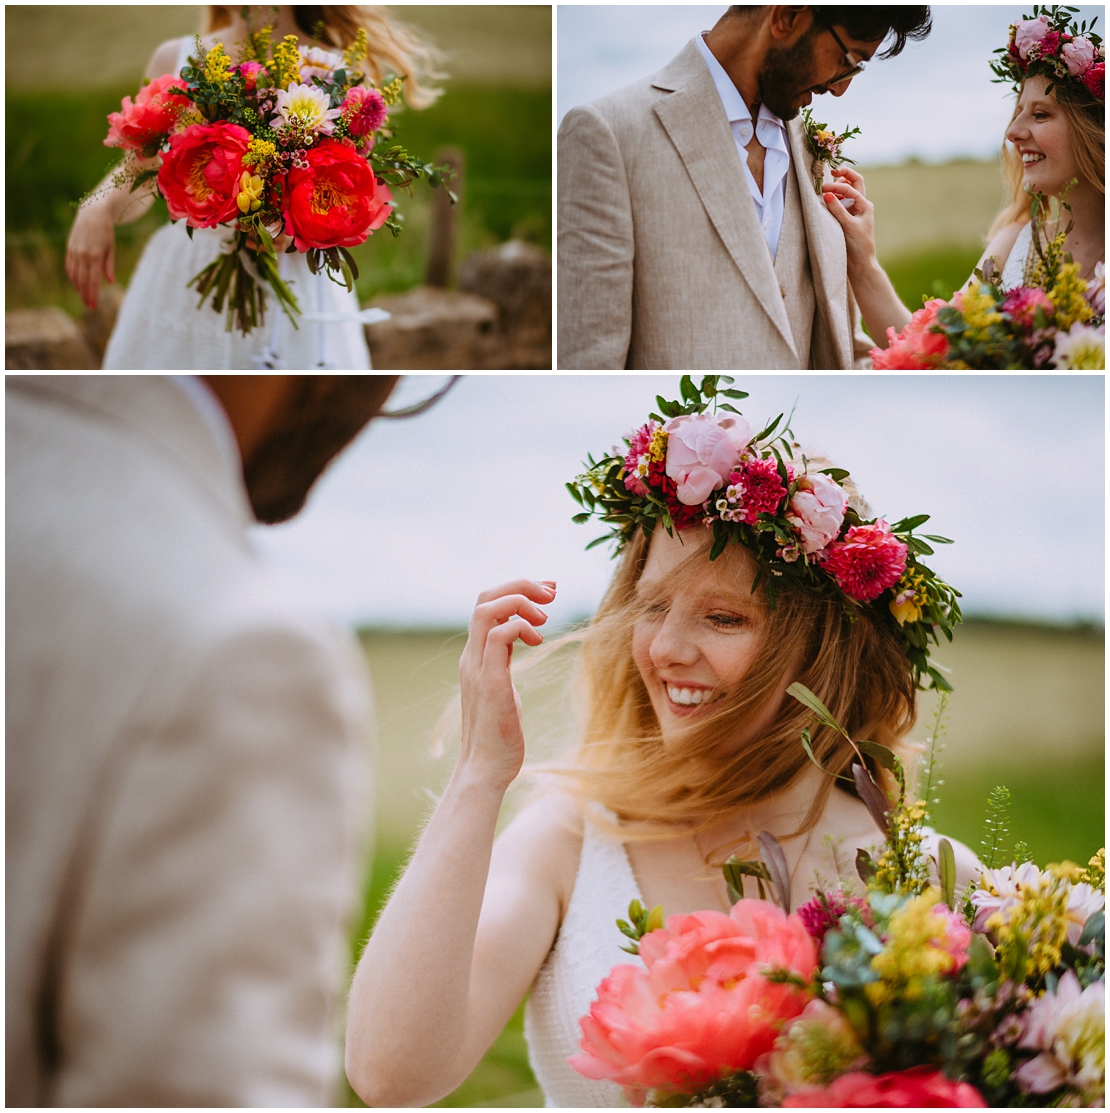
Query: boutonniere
[(824, 144)]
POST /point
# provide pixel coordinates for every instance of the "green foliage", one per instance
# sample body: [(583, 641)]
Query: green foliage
[(937, 273), (643, 920), (995, 841)]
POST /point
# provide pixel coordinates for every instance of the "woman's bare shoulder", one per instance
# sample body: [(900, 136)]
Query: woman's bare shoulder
[(164, 59), (545, 839)]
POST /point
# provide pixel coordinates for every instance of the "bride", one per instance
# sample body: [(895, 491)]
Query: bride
[(1054, 138), (160, 325), (690, 749)]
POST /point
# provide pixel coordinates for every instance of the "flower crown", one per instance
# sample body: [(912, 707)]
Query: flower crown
[(1052, 45), (689, 466)]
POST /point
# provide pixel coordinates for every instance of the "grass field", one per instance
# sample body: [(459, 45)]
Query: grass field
[(1027, 714)]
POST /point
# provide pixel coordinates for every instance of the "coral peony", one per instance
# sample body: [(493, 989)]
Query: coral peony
[(149, 120), (1029, 33), (336, 201), (365, 110), (703, 1007), (868, 561), (702, 451), (200, 175), (817, 511), (915, 348), (1078, 55), (1023, 301), (918, 1087), (1094, 81)]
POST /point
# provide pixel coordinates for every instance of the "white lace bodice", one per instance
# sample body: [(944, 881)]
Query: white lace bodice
[(1014, 270), (587, 947)]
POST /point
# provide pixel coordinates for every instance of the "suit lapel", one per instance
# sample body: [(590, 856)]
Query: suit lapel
[(827, 255), (695, 121)]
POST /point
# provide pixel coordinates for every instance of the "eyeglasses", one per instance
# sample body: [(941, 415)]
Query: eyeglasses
[(853, 60)]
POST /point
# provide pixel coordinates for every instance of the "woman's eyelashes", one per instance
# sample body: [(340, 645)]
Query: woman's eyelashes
[(729, 621)]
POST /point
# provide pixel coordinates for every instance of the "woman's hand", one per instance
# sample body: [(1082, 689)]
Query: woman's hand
[(280, 242), (858, 224), (91, 250), (492, 735)]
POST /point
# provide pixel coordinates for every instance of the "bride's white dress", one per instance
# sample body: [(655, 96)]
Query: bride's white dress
[(160, 327), (1014, 270), (587, 948)]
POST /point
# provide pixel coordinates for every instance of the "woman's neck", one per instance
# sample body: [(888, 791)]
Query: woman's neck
[(1087, 238), (281, 19)]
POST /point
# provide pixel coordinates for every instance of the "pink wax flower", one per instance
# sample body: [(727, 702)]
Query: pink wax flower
[(868, 561), (1094, 81), (918, 1087), (758, 489), (150, 118), (1030, 32), (1022, 302), (915, 348), (702, 451), (365, 110), (703, 1007), (823, 912), (816, 511), (1078, 55), (250, 72)]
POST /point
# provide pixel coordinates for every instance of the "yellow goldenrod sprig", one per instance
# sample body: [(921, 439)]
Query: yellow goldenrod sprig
[(287, 62), (391, 93), (356, 52), (216, 65)]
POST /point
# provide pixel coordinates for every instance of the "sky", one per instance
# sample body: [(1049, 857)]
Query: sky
[(418, 516), (934, 101)]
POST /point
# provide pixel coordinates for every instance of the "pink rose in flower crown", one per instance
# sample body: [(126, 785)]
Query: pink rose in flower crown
[(199, 176), (1078, 55), (1029, 33), (365, 110), (868, 561), (915, 348), (702, 451), (817, 511), (250, 72), (918, 1087), (1023, 301), (337, 201), (703, 1007), (1094, 81), (149, 119)]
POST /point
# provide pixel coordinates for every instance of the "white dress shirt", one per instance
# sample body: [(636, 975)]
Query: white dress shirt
[(771, 133)]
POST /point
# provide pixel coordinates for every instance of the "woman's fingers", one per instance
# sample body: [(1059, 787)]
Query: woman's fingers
[(499, 605), (110, 261), (854, 177), (542, 591), (836, 208)]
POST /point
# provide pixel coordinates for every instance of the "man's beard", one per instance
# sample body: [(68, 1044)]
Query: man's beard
[(786, 75), (325, 414)]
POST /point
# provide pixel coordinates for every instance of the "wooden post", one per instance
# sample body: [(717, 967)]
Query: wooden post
[(441, 237)]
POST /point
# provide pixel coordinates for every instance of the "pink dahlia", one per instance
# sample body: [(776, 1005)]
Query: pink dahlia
[(703, 1007), (364, 110), (638, 460), (1094, 80), (918, 1087), (249, 71), (868, 561), (915, 348), (759, 488), (1022, 302), (823, 912)]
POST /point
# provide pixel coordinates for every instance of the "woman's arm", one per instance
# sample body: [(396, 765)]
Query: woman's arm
[(462, 938), (91, 247), (879, 304)]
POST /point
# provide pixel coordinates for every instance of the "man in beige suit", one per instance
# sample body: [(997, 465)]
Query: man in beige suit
[(690, 234), (186, 796)]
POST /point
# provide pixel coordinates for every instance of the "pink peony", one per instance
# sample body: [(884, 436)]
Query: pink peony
[(1022, 302), (1094, 81), (868, 561), (915, 348), (817, 511), (918, 1087), (1030, 32), (364, 110), (149, 119), (702, 451), (1078, 55), (758, 488), (703, 1007), (250, 72)]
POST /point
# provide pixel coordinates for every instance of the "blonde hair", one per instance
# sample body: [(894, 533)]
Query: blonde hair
[(1088, 130), (392, 48), (852, 662)]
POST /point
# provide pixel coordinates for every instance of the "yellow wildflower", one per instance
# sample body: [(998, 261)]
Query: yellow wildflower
[(1065, 870), (915, 951), (902, 866), (250, 195), (1066, 295), (1095, 873), (217, 64), (287, 62), (978, 308), (391, 93), (258, 151), (658, 447), (1039, 919), (356, 52), (909, 598)]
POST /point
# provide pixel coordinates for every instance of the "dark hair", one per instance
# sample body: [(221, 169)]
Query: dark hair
[(868, 23)]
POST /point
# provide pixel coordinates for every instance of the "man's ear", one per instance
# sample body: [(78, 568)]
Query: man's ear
[(788, 23)]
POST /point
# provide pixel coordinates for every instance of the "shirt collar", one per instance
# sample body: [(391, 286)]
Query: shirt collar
[(735, 108), (212, 412)]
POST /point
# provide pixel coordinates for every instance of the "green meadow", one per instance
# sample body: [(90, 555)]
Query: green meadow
[(1027, 714)]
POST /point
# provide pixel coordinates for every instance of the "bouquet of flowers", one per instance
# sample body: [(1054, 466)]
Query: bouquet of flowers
[(278, 142), (898, 991)]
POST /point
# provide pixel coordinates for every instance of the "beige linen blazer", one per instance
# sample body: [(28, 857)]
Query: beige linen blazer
[(662, 262), (186, 783)]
